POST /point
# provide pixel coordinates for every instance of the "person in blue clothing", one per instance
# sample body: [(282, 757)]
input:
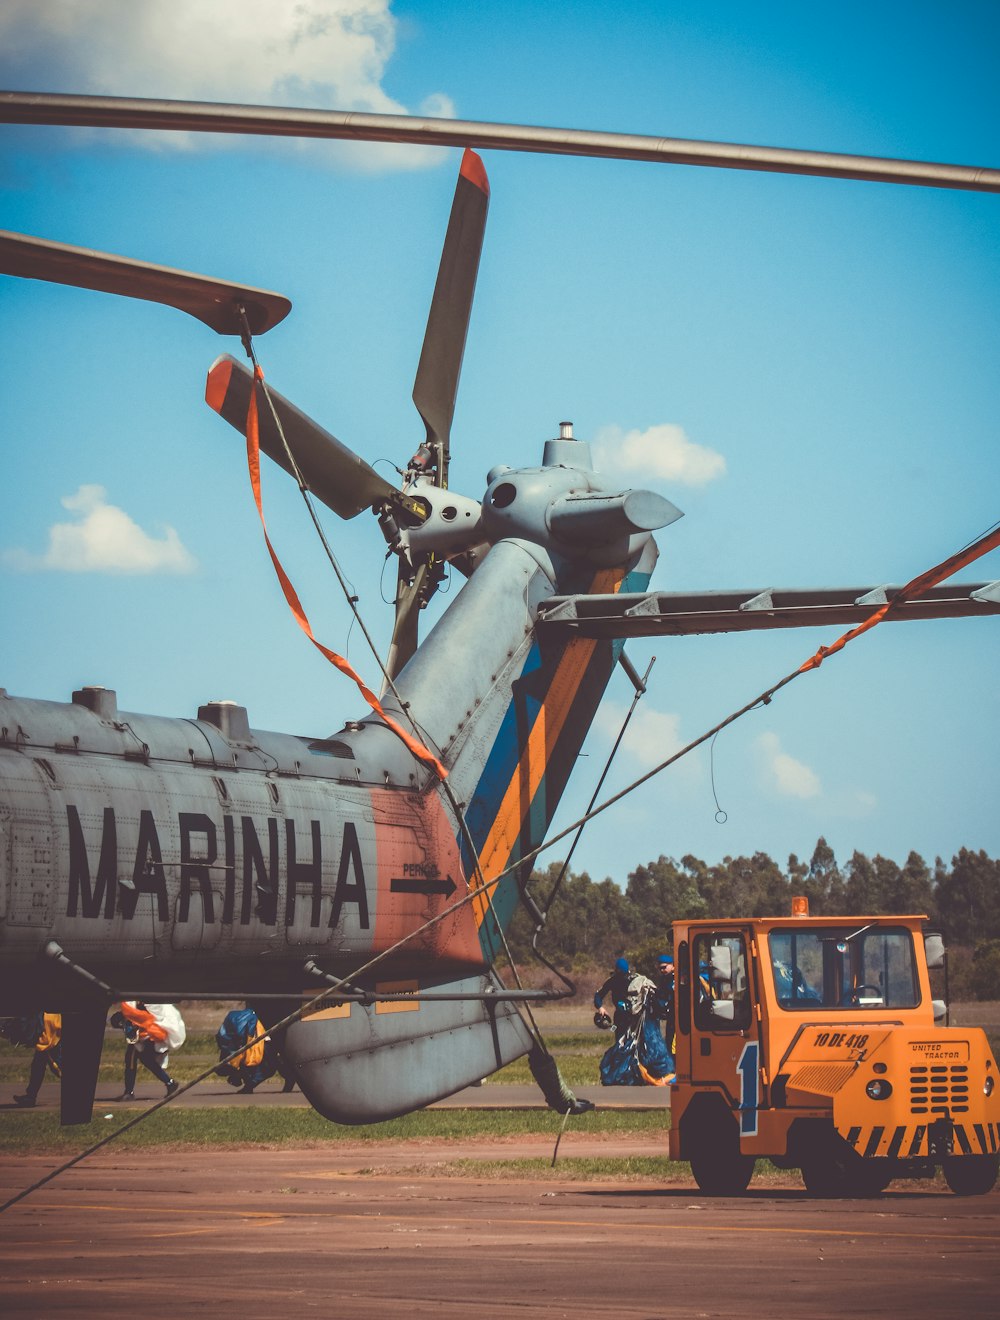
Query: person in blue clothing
[(247, 1070), (257, 1062), (617, 986), (638, 1056)]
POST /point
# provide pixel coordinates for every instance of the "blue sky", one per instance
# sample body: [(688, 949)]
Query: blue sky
[(829, 348)]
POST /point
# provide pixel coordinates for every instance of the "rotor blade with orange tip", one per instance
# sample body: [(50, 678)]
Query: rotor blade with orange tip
[(335, 474), (436, 384)]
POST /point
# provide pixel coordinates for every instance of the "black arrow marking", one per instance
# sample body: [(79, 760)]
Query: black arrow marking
[(417, 885)]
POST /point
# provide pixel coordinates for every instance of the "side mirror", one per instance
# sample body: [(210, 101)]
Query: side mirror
[(934, 951), (722, 962), (723, 1008), (940, 1010)]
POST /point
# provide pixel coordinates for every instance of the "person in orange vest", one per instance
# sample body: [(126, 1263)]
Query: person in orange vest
[(46, 1029)]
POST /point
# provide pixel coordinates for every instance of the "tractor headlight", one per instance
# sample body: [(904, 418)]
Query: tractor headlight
[(878, 1089), (988, 1086)]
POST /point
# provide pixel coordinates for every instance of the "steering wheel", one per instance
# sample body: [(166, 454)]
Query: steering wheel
[(870, 991)]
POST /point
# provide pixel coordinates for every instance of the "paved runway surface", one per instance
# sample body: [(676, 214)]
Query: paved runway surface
[(367, 1231)]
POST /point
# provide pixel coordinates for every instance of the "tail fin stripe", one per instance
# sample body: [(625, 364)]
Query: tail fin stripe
[(535, 748), (502, 764), (505, 834)]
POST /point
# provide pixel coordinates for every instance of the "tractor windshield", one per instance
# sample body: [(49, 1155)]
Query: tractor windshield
[(871, 967)]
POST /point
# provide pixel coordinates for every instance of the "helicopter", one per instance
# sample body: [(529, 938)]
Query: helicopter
[(163, 859)]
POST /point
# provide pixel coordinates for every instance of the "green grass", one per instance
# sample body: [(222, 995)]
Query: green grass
[(578, 1055), (633, 1169), (198, 1053), (31, 1131)]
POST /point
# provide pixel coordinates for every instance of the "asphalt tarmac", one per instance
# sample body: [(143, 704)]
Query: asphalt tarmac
[(370, 1231), (365, 1230)]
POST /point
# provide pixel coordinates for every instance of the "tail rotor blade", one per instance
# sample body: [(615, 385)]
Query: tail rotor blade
[(335, 474), (440, 365)]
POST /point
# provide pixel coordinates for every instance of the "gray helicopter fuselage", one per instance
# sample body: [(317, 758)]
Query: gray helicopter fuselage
[(190, 854), (201, 856)]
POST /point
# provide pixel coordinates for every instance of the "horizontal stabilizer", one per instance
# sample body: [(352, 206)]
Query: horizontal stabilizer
[(679, 614), (362, 1063)]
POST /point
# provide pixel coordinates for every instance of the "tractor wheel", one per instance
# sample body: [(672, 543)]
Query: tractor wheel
[(971, 1175), (833, 1169), (718, 1166)]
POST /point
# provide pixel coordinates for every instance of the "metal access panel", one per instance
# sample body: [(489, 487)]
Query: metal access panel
[(30, 873), (5, 859)]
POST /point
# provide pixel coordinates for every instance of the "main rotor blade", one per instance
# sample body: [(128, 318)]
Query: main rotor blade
[(440, 365), (337, 476), (215, 302), (209, 117)]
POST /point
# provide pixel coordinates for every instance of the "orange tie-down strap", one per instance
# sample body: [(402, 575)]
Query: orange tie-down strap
[(295, 605), (929, 579)]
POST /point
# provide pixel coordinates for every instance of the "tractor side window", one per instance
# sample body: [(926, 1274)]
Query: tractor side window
[(720, 986)]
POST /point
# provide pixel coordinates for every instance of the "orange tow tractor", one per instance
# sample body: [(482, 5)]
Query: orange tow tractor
[(815, 1042)]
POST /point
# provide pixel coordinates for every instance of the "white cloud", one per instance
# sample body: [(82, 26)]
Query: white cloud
[(851, 804), (104, 539), (652, 736), (662, 451), (785, 774), (321, 54)]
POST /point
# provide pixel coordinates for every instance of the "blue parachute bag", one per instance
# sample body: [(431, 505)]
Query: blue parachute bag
[(620, 1064), (653, 1054), (638, 1051)]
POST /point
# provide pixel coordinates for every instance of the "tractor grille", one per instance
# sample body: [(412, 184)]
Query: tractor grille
[(822, 1078), (939, 1088)]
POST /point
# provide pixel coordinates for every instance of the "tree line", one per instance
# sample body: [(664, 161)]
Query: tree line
[(590, 923)]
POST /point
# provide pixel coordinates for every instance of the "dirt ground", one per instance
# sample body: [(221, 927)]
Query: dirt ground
[(369, 1232), (364, 1232)]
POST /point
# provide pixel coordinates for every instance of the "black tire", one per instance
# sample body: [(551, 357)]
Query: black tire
[(832, 1169), (831, 1180), (971, 1175), (717, 1164), (717, 1176)]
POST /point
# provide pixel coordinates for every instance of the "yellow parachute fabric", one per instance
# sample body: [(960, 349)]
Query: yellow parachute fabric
[(253, 1054), (51, 1031)]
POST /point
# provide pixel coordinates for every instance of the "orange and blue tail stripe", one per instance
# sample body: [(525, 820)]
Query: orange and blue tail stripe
[(552, 707)]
